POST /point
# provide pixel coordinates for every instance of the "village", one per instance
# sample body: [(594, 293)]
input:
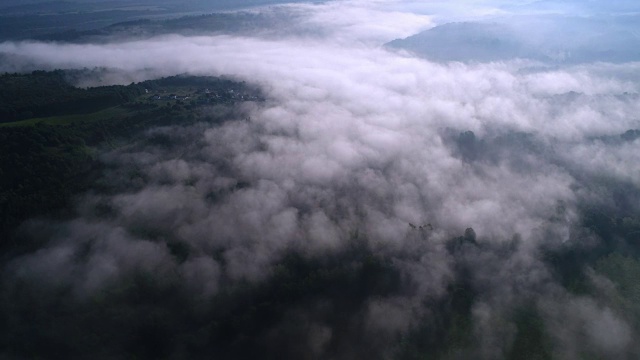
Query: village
[(204, 95)]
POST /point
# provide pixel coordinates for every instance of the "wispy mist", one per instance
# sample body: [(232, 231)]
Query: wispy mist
[(355, 144)]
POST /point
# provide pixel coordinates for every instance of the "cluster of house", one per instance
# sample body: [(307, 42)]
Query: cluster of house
[(168, 97), (207, 95), (230, 95)]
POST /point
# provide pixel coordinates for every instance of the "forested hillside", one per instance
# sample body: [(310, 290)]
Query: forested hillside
[(49, 154), (44, 94)]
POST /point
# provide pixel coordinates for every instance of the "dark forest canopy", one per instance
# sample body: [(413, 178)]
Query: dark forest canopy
[(308, 305), (53, 131), (44, 94)]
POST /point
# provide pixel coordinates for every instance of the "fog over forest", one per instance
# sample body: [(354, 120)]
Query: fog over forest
[(490, 175)]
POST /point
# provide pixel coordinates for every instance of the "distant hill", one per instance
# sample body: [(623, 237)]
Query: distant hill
[(243, 22), (64, 20), (566, 40), (464, 42)]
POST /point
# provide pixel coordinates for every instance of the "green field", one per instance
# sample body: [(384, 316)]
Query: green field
[(69, 119)]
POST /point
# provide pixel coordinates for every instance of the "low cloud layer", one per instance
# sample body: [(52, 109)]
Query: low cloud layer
[(357, 143)]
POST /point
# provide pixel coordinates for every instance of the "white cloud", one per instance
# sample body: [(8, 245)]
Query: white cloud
[(357, 139)]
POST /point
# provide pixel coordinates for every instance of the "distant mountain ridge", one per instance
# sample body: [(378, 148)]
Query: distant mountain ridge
[(59, 20), (241, 22), (463, 41), (578, 40)]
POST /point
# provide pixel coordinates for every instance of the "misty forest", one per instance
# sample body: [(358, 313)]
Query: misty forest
[(339, 179)]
